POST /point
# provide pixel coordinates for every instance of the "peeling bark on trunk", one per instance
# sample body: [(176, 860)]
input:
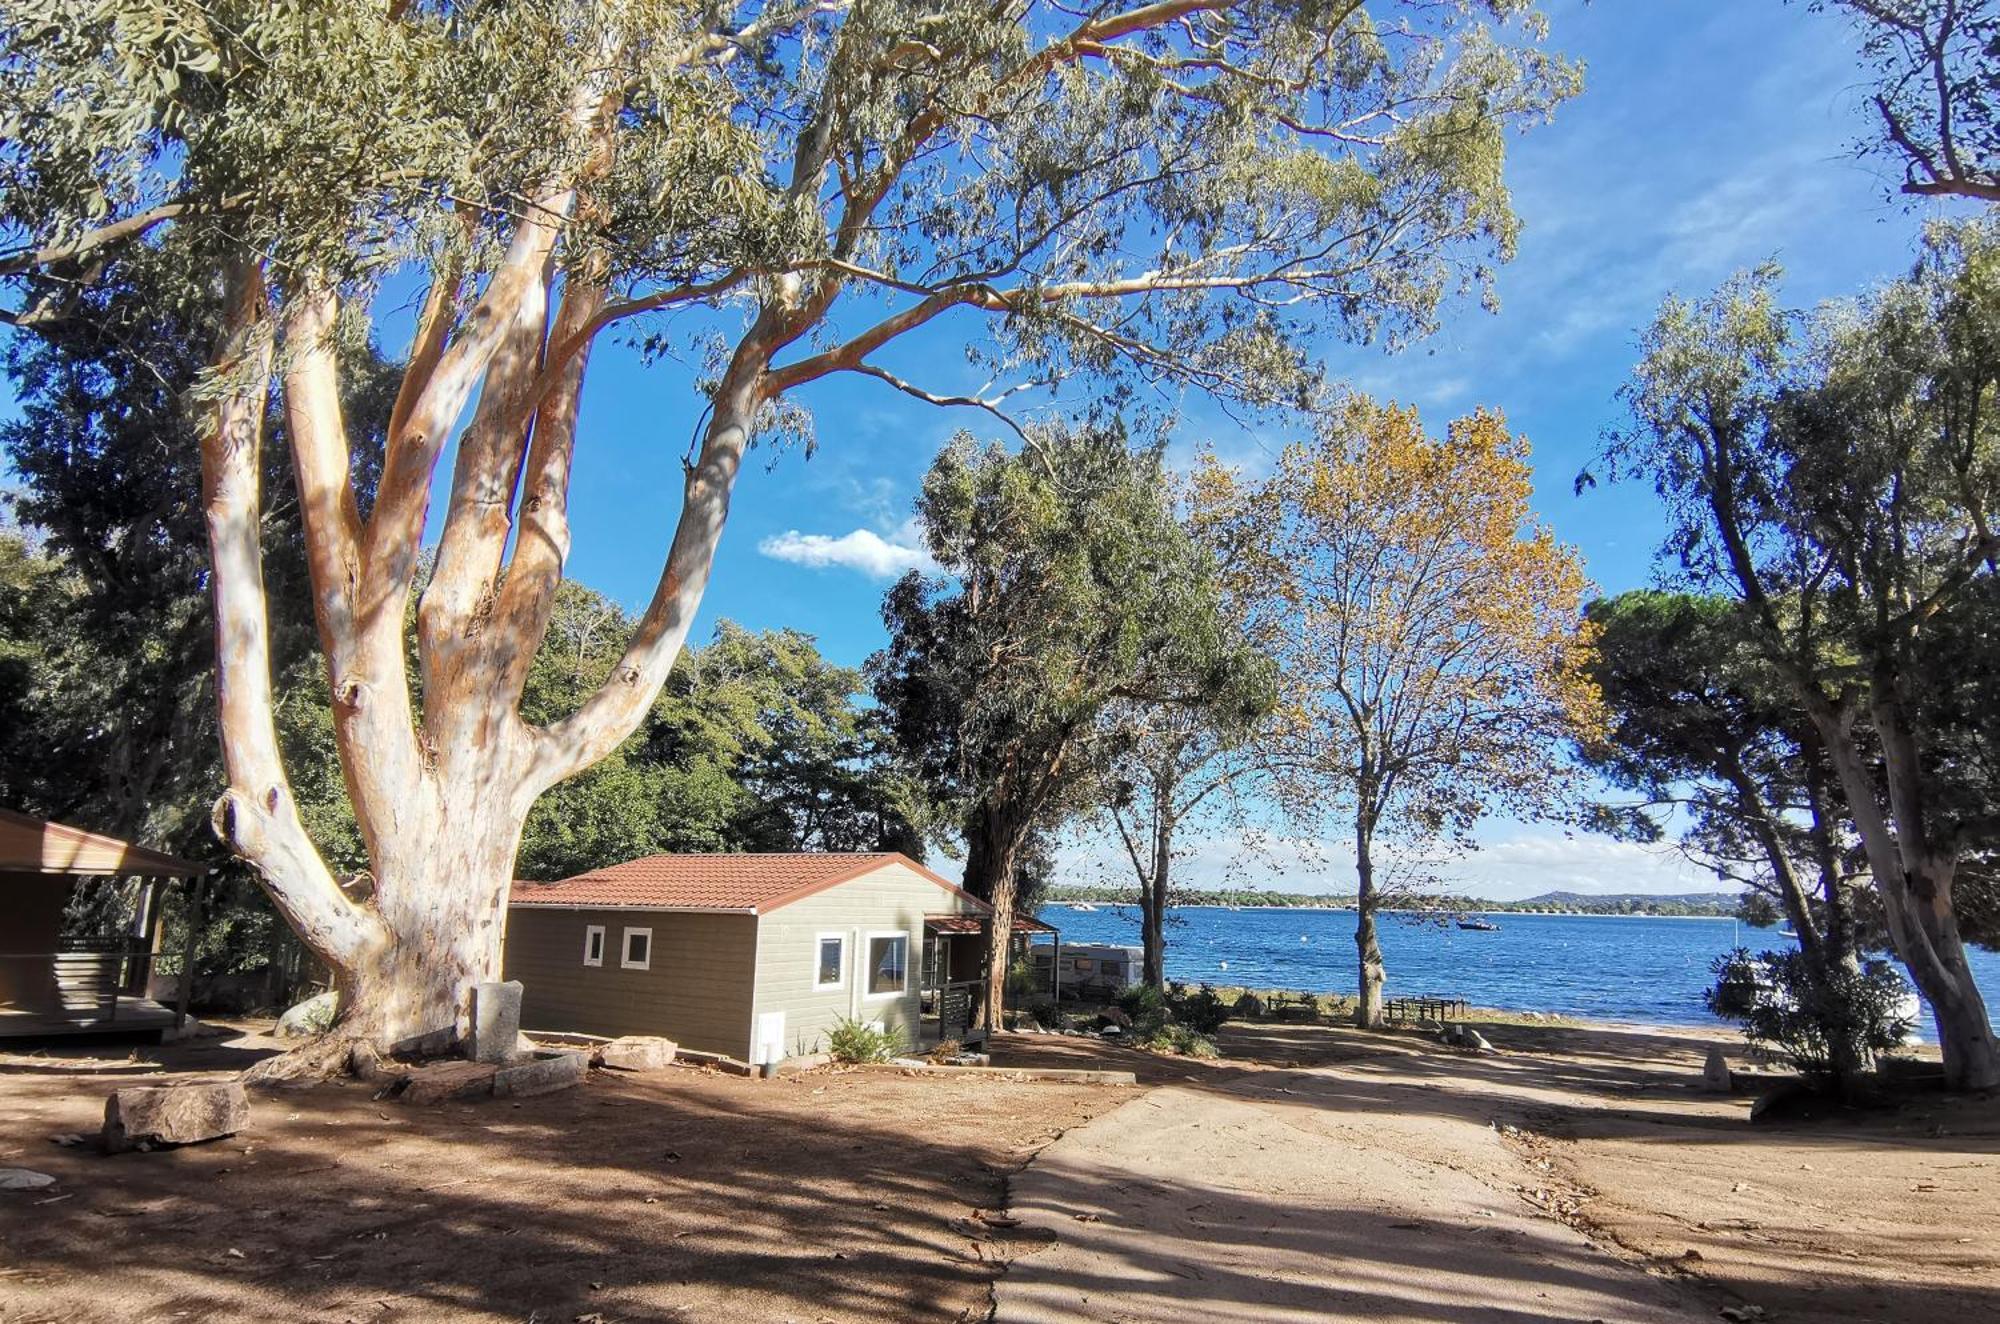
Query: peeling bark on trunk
[(448, 912), (440, 803)]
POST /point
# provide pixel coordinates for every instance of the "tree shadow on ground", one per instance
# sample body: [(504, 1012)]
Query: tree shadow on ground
[(1622, 1094), (681, 1195)]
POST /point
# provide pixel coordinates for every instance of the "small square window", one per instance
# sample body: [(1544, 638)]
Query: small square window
[(593, 944), (638, 949), (829, 961), (888, 964)]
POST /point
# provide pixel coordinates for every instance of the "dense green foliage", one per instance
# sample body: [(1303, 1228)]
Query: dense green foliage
[(1069, 587), (1835, 478), (1822, 1017), (756, 743)]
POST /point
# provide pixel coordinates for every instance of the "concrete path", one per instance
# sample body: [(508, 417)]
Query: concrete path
[(1305, 1195)]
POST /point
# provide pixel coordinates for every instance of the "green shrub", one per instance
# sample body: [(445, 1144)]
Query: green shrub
[(1142, 1002), (1249, 1007), (1202, 1011), (1818, 1018), (1180, 1041), (857, 1041)]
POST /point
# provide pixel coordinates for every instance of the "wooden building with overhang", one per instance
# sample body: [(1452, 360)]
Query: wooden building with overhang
[(753, 957), (50, 985)]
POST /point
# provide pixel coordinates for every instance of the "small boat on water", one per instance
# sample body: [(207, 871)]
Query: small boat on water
[(1479, 925), (1081, 905)]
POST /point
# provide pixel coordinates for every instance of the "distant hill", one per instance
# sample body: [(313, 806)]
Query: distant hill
[(1566, 900)]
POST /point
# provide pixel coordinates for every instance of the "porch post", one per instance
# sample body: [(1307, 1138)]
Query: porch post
[(198, 886), (1055, 962)]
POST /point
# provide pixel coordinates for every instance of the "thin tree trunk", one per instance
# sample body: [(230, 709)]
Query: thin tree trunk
[(1153, 899), (1764, 827), (1368, 949), (992, 854)]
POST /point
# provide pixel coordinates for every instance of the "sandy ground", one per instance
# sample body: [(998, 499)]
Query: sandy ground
[(1317, 1174), (684, 1195), (1580, 1174)]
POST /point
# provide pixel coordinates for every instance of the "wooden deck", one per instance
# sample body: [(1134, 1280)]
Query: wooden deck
[(129, 1015)]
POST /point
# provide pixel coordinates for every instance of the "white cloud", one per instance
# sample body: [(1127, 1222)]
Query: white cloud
[(863, 550)]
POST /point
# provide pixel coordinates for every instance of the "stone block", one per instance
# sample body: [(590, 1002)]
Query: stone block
[(174, 1114), (440, 1081), (496, 1021), (1715, 1073), (637, 1052), (540, 1075)]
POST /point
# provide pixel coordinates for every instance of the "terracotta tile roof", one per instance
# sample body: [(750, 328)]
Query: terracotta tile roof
[(746, 884)]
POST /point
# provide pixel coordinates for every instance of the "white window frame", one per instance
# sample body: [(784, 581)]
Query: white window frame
[(625, 961), (841, 982), (596, 931), (866, 974)]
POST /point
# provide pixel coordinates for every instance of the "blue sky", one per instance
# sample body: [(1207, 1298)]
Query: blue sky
[(1711, 136)]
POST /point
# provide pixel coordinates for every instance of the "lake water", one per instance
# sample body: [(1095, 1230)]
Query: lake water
[(1608, 967)]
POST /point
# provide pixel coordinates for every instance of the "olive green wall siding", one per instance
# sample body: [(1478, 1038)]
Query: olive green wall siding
[(696, 991), (892, 899)]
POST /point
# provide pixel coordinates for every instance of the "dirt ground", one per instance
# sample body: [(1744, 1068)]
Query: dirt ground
[(1889, 1214), (692, 1195), (683, 1195)]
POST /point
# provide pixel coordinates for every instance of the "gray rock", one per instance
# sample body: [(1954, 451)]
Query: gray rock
[(21, 1179), (431, 1043), (1715, 1076), (637, 1052), (1467, 1037), (174, 1114), (440, 1081), (540, 1075), (1112, 1017), (496, 1021), (311, 1017)]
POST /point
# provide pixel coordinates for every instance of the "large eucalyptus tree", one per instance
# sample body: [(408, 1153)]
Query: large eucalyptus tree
[(1153, 192)]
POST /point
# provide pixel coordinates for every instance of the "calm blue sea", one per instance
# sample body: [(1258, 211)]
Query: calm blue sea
[(1608, 967)]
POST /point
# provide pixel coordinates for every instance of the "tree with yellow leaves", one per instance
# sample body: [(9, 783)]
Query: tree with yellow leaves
[(1427, 630)]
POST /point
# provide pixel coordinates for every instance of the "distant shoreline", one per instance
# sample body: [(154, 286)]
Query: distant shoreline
[(1389, 910)]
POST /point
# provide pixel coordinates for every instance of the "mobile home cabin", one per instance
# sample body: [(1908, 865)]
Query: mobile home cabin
[(753, 957)]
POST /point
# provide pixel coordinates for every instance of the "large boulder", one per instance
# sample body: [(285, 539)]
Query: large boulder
[(637, 1052), (174, 1114), (308, 1018)]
